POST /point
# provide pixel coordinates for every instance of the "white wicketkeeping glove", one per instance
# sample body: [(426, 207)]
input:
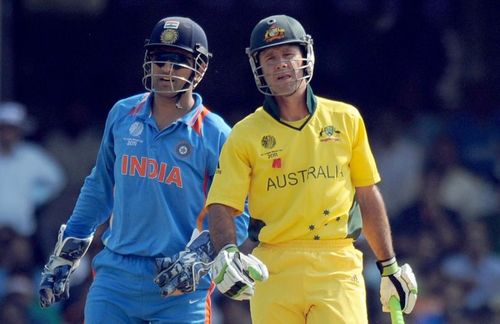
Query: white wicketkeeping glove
[(54, 283), (399, 282), (235, 273), (181, 273)]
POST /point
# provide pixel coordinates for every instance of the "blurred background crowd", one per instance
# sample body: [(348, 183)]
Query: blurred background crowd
[(424, 73)]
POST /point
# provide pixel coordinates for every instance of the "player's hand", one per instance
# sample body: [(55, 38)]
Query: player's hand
[(399, 282), (54, 283), (235, 273), (182, 273)]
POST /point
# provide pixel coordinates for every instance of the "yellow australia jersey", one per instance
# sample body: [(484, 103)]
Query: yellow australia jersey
[(300, 182)]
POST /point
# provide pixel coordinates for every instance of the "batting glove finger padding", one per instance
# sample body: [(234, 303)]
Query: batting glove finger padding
[(399, 282), (182, 272), (55, 279), (235, 273)]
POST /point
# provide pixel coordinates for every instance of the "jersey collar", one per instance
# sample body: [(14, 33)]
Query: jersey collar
[(271, 107), (144, 109), (190, 118)]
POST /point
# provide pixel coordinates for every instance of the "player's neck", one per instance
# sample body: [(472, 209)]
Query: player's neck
[(167, 110), (293, 107)]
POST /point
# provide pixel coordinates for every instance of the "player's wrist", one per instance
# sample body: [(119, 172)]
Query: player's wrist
[(231, 248), (388, 267)]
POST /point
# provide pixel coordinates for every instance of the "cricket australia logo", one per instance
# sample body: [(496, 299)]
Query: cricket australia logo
[(329, 133), (274, 32)]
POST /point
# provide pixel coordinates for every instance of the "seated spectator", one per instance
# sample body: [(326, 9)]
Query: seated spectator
[(399, 160), (460, 189), (19, 304), (475, 128), (477, 268), (428, 215)]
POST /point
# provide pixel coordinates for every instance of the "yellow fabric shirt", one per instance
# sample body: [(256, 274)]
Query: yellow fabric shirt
[(299, 182)]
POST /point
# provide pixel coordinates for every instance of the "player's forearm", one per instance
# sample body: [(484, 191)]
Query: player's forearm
[(221, 225), (376, 228)]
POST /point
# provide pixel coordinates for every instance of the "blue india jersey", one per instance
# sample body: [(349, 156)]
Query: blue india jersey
[(151, 183)]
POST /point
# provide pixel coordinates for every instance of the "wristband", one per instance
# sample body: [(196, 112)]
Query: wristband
[(388, 267)]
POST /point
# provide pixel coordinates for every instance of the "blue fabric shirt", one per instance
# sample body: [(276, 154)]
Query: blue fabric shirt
[(152, 183)]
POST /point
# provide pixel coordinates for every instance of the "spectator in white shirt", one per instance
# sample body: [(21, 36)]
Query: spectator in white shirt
[(29, 176)]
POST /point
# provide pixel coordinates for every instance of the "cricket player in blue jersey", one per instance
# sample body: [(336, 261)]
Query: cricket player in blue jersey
[(155, 164)]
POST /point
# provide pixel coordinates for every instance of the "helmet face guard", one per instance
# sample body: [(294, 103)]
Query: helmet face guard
[(275, 31), (176, 33), (197, 72)]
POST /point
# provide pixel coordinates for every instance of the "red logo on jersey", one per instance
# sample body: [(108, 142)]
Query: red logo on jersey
[(148, 167), (277, 163)]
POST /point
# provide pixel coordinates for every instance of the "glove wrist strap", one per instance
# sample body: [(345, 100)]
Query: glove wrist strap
[(388, 267), (230, 248), (69, 250)]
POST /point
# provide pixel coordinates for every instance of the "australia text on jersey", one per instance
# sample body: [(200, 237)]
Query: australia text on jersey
[(304, 175), (152, 169)]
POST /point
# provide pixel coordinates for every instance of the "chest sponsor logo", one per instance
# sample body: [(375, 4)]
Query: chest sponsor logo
[(145, 167), (313, 173)]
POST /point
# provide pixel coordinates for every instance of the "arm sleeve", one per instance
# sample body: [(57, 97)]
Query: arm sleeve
[(363, 167), (232, 179), (95, 201), (241, 221)]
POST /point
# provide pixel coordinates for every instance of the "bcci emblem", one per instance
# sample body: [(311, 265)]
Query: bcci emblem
[(183, 149), (268, 141), (136, 129), (169, 36)]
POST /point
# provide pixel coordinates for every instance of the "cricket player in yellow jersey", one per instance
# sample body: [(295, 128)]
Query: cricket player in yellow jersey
[(305, 165)]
